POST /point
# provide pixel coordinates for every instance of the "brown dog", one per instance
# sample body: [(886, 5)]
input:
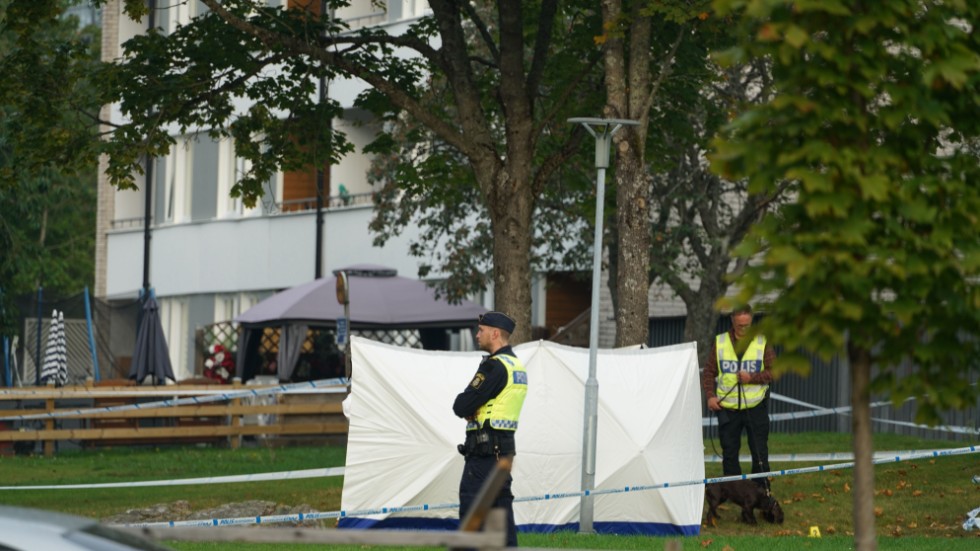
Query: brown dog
[(746, 494)]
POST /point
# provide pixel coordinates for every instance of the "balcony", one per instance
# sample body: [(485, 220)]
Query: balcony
[(273, 250)]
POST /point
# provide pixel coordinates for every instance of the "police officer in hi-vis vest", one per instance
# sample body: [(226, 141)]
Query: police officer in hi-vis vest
[(742, 371), (492, 406)]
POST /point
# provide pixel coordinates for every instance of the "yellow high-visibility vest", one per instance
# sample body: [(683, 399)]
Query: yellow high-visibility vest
[(504, 410), (731, 395)]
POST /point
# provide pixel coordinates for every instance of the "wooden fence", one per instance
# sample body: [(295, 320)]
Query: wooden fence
[(314, 412)]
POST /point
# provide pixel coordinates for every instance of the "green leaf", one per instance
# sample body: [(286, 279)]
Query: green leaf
[(874, 187), (795, 36)]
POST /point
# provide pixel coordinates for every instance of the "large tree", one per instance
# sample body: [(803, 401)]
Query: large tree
[(875, 117), (640, 47), (700, 217), (48, 108), (428, 184), (500, 108), (675, 223)]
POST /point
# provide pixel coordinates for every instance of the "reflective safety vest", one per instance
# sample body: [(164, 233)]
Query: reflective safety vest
[(504, 410), (731, 395)]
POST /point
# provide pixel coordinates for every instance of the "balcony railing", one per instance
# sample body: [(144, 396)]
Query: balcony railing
[(333, 202)]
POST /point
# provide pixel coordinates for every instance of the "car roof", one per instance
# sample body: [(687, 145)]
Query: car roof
[(26, 528), (26, 515)]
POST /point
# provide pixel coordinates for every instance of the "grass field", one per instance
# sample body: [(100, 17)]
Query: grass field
[(919, 504)]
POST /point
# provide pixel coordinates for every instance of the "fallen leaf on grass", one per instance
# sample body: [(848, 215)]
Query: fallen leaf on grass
[(728, 548), (831, 529), (917, 493), (887, 492), (897, 531), (879, 511), (912, 526), (847, 487), (705, 543)]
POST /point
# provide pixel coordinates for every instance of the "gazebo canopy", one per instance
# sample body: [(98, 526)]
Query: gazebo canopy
[(379, 298)]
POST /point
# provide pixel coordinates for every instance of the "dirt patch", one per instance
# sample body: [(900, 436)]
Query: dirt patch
[(182, 510)]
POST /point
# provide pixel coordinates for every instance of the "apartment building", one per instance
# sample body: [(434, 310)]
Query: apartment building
[(210, 257)]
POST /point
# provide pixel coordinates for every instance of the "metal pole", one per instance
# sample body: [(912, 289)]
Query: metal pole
[(148, 192), (606, 129), (320, 179), (147, 207), (91, 337), (318, 256), (37, 349)]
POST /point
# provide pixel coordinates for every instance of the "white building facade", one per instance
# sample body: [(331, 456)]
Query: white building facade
[(211, 257)]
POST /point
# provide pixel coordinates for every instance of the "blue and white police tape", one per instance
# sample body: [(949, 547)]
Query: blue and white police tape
[(551, 496), (324, 385), (815, 411), (820, 411), (231, 479), (340, 471), (808, 457)]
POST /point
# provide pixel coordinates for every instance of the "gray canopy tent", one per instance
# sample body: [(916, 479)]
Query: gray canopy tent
[(380, 300)]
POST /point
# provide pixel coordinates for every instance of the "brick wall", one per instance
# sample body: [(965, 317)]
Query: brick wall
[(106, 193)]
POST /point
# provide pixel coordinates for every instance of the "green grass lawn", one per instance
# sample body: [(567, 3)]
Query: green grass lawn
[(919, 504)]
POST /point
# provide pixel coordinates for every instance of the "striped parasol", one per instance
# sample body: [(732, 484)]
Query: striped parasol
[(55, 366)]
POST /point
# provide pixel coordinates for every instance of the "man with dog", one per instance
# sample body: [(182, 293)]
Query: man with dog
[(736, 382), (491, 405)]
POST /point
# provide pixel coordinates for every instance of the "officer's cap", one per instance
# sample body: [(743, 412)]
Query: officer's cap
[(498, 320)]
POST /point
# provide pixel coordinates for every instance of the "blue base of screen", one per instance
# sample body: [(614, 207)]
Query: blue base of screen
[(618, 528)]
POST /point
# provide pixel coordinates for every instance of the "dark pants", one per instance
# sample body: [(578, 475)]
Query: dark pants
[(755, 423), (475, 472)]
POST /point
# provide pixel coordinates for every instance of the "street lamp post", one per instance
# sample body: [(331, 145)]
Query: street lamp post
[(602, 130)]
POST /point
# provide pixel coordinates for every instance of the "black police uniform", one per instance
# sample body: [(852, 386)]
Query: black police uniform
[(489, 381)]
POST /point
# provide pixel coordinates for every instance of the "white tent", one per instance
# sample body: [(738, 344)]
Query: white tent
[(402, 442)]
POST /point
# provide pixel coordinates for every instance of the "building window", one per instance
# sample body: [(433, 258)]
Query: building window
[(231, 168), (180, 13), (178, 182), (229, 306), (173, 318)]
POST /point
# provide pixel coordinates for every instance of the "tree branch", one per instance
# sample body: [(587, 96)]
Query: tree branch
[(546, 24), (481, 27), (666, 66), (398, 96)]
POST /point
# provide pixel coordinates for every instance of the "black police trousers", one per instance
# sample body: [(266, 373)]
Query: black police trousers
[(755, 423), (476, 471)]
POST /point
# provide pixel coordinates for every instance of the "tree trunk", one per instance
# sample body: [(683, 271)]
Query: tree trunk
[(633, 253), (627, 93), (510, 207), (701, 322), (864, 483)]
